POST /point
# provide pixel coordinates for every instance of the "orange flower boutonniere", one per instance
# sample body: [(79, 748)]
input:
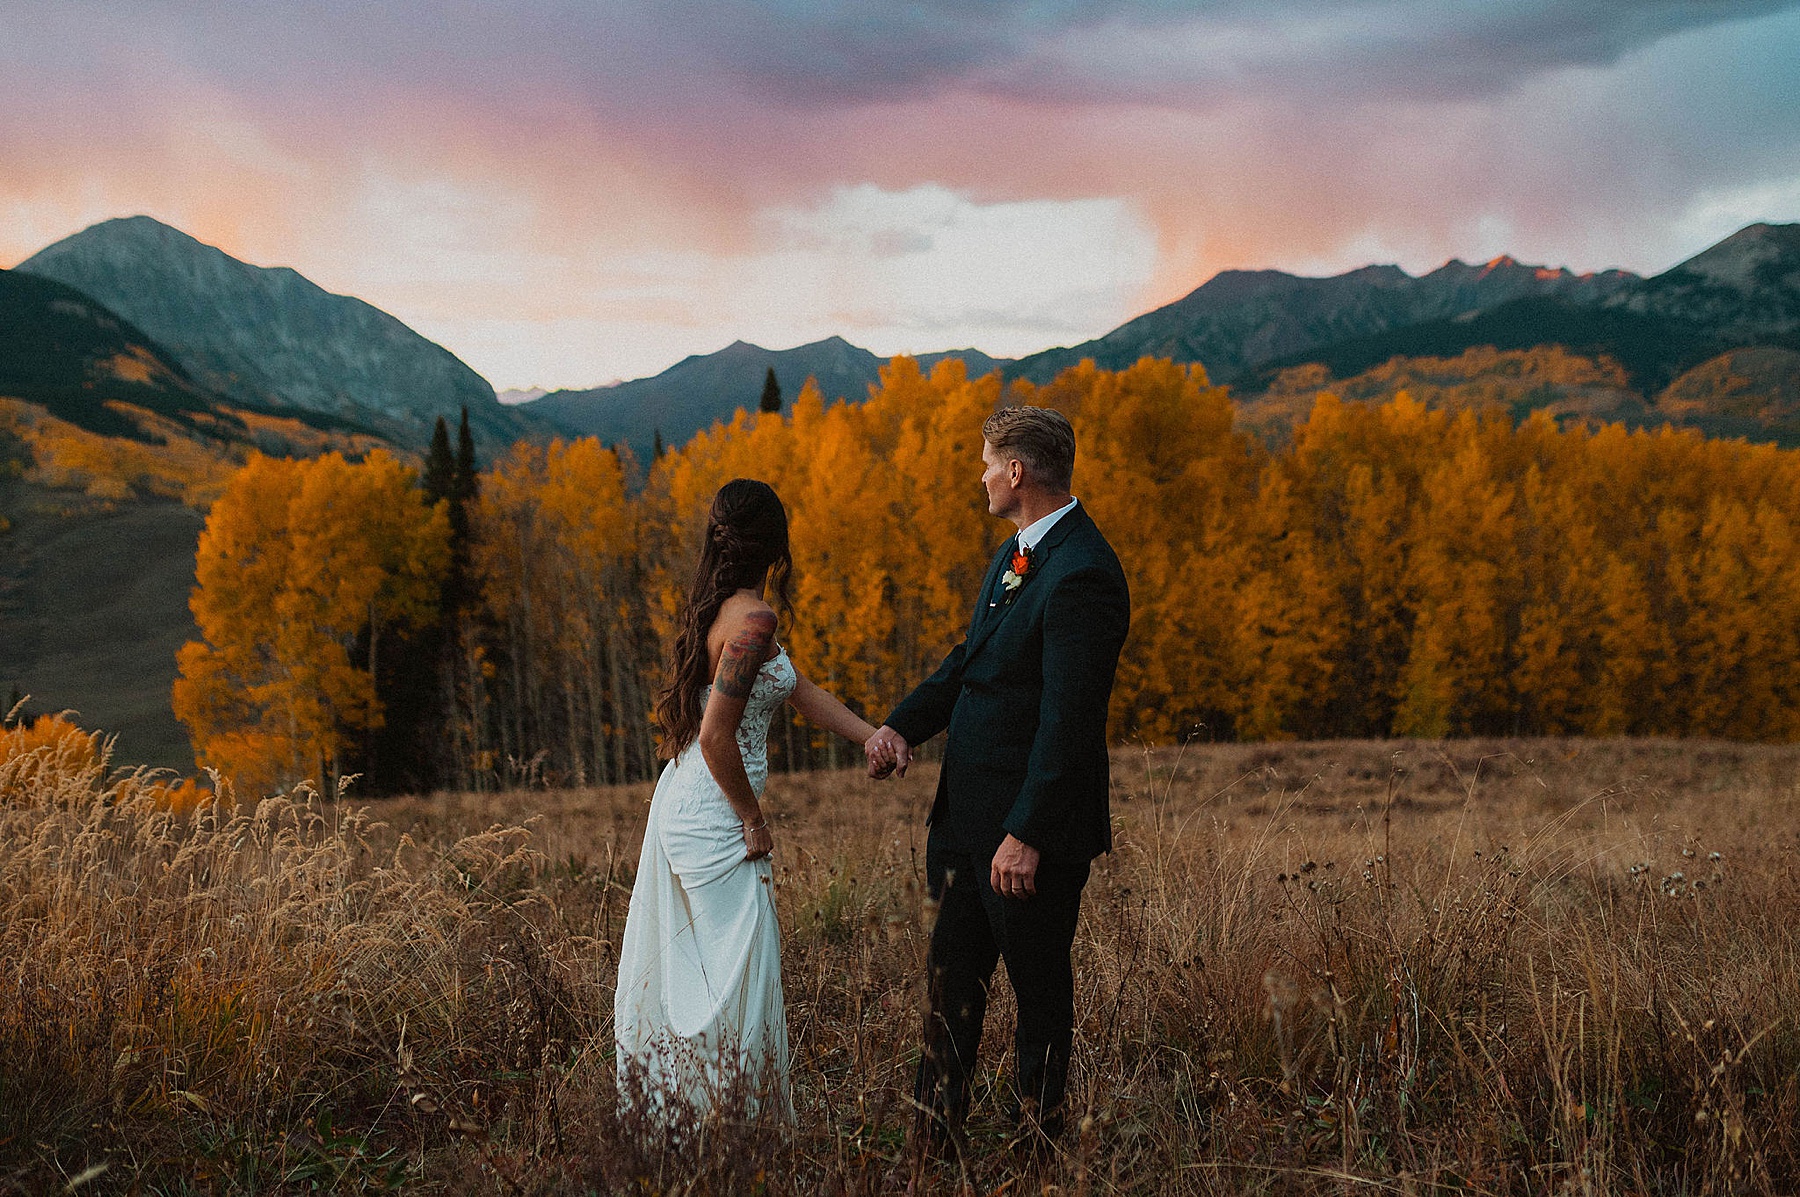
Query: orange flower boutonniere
[(1018, 569)]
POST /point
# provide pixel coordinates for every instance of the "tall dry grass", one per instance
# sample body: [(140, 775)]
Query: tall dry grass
[(1520, 967)]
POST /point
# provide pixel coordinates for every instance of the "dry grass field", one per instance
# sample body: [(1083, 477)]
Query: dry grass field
[(1400, 967)]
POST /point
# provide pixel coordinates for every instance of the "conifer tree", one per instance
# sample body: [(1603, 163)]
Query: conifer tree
[(440, 467), (461, 733), (468, 477), (771, 395)]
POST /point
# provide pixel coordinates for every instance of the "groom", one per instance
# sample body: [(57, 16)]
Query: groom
[(1021, 806)]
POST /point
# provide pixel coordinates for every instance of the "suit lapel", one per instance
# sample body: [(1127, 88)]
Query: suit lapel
[(996, 615), (984, 613)]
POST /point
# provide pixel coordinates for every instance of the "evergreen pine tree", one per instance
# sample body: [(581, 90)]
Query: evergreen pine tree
[(657, 449), (416, 681), (771, 396), (464, 628), (440, 466), (468, 475)]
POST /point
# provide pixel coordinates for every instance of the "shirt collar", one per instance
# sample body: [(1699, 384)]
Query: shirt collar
[(1037, 529)]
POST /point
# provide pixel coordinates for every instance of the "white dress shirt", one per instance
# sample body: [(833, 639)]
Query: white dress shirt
[(1037, 529)]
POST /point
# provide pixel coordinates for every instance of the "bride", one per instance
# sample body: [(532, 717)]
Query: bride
[(698, 1009)]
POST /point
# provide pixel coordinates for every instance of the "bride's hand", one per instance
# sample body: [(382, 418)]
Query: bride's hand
[(759, 841), (888, 753)]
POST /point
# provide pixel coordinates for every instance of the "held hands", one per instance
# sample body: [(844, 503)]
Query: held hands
[(1014, 873), (758, 840), (888, 753)]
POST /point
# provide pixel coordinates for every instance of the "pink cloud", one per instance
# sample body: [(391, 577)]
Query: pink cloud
[(590, 182)]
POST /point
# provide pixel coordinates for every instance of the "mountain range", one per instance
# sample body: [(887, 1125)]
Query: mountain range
[(1248, 327), (699, 390), (269, 338), (1240, 319)]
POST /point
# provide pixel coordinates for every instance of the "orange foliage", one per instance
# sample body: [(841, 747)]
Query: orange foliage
[(302, 568), (181, 797), (1394, 570), (50, 746)]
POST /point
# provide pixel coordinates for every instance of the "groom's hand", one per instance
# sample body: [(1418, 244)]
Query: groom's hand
[(1015, 869), (887, 751)]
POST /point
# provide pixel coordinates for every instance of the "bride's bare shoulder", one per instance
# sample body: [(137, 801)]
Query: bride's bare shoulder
[(742, 638), (744, 612)]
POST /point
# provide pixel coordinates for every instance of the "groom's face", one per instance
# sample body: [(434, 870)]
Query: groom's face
[(999, 477)]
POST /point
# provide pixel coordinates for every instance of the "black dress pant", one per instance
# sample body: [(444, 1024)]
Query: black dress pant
[(976, 927)]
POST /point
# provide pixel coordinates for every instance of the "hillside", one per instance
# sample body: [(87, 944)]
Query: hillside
[(97, 536), (1653, 349), (269, 338), (94, 608), (1752, 392), (700, 390), (1564, 385), (63, 350)]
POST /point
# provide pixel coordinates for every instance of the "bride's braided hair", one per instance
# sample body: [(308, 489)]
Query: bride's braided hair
[(746, 540)]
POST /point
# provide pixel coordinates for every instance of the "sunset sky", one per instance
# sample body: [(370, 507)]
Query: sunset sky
[(565, 192)]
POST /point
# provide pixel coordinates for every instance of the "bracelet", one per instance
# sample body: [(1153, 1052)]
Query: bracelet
[(760, 826)]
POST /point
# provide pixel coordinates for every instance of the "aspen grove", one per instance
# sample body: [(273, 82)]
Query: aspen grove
[(1388, 571)]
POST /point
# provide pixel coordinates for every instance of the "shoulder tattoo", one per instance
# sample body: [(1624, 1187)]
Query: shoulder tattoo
[(744, 654)]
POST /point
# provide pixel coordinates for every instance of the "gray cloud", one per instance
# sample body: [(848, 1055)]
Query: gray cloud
[(685, 55), (859, 51)]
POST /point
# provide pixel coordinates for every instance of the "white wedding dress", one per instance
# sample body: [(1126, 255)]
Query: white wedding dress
[(699, 1003)]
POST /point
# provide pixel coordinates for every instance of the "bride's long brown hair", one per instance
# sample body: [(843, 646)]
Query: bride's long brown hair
[(746, 540)]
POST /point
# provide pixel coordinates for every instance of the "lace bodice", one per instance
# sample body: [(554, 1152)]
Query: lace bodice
[(775, 683)]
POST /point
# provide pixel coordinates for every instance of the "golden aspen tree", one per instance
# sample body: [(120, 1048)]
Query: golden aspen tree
[(1352, 477), (1289, 630), (936, 509), (1745, 615), (1562, 607), (589, 535), (509, 545), (1169, 480), (1465, 563), (302, 569)]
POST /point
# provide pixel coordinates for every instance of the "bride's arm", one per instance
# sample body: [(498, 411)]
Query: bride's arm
[(822, 709), (746, 648)]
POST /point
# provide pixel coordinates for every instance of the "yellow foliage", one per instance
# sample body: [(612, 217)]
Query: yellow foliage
[(1396, 568), (302, 568), (66, 457), (173, 461)]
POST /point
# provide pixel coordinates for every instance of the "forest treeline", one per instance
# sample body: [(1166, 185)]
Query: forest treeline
[(1390, 570)]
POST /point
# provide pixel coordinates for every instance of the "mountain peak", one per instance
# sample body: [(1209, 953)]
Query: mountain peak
[(1763, 231), (1755, 256), (269, 337)]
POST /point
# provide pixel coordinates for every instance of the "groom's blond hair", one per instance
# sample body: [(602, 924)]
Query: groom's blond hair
[(1040, 437)]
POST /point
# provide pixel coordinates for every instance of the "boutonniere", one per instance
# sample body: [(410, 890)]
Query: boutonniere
[(1018, 569)]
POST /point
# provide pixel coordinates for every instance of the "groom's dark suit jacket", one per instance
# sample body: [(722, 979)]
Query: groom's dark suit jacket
[(1024, 697)]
